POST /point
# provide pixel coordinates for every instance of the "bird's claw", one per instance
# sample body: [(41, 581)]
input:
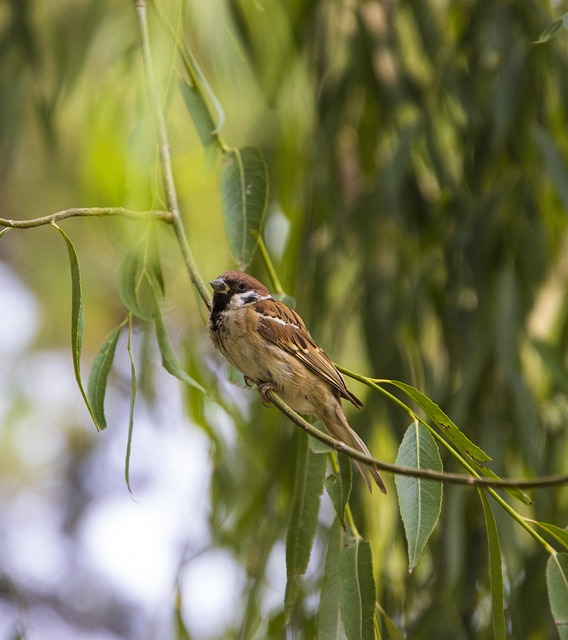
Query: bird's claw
[(249, 381), (263, 389)]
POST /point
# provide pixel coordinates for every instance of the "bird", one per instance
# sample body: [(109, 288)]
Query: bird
[(269, 344)]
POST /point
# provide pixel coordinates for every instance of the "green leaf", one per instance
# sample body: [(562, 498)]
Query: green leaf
[(308, 487), (460, 440), (77, 319), (393, 631), (244, 196), (557, 581), (420, 500), (330, 625), (315, 445), (132, 282), (96, 388), (338, 486), (495, 571), (561, 535), (550, 31), (357, 590), (199, 112), (4, 232), (169, 360), (133, 391), (463, 444)]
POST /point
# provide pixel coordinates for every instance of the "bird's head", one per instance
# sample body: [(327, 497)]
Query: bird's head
[(236, 289)]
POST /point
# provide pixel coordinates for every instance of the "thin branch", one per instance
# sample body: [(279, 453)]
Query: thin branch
[(450, 478), (79, 212), (165, 158)]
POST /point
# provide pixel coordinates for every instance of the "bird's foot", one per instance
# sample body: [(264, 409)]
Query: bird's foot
[(249, 381), (263, 389)]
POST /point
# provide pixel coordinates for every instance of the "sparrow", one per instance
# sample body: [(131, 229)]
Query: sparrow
[(270, 345)]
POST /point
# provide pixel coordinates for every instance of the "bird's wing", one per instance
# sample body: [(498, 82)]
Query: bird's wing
[(283, 327)]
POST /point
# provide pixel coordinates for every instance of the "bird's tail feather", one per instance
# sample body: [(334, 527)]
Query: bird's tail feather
[(336, 423)]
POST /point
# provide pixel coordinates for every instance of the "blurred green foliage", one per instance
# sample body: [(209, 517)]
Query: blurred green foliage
[(419, 187)]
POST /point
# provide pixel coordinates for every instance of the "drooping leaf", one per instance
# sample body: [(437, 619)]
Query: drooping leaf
[(495, 571), (315, 445), (420, 500), (3, 232), (393, 631), (561, 535), (96, 388), (132, 282), (476, 456), (550, 31), (169, 361), (308, 487), (199, 112), (338, 486), (330, 624), (557, 582), (244, 196), (77, 319), (133, 391), (357, 590), (450, 429)]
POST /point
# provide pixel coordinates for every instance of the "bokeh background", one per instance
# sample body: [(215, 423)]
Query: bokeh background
[(417, 153)]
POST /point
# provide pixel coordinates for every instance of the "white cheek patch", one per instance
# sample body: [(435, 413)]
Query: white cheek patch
[(239, 300)]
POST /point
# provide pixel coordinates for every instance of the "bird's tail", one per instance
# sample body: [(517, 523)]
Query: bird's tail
[(337, 425)]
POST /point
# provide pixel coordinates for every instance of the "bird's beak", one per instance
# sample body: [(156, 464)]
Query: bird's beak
[(219, 286)]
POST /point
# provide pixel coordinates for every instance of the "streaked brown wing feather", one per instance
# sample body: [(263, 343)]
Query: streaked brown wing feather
[(283, 327)]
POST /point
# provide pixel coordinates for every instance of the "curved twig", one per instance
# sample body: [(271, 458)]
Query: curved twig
[(165, 158), (81, 212)]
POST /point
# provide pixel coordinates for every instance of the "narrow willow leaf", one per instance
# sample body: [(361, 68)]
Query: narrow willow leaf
[(420, 500), (169, 360), (199, 112), (561, 535), (357, 590), (77, 319), (557, 581), (514, 493), (393, 631), (450, 429), (315, 445), (550, 31), (308, 487), (4, 232), (244, 196), (330, 625), (96, 388), (464, 445), (338, 486), (495, 571), (131, 279), (133, 391)]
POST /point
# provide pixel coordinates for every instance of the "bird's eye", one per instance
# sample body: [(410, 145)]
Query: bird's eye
[(241, 286)]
